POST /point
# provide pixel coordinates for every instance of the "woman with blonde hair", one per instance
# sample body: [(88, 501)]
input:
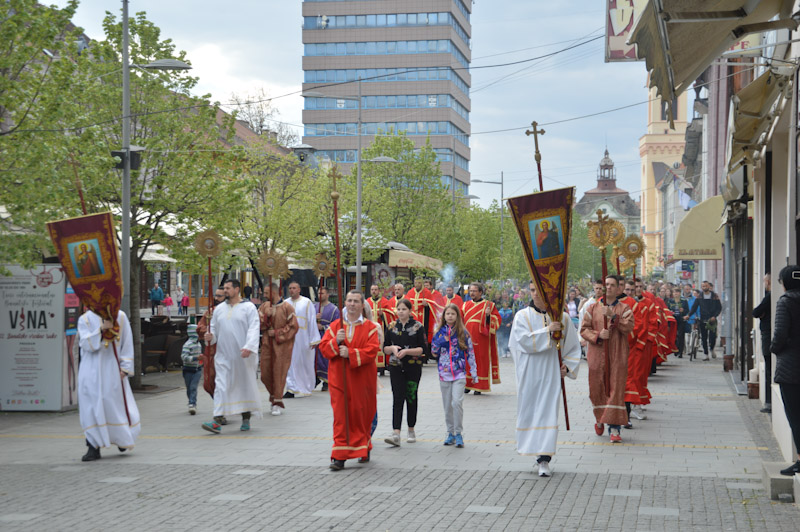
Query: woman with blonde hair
[(452, 346)]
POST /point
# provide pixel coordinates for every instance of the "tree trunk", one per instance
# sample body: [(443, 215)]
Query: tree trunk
[(135, 318)]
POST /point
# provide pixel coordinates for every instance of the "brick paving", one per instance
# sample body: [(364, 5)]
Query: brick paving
[(693, 465)]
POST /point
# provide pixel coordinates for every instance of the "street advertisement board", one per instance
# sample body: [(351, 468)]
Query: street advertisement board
[(38, 321)]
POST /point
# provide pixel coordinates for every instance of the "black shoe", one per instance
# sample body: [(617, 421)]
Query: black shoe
[(467, 391), (288, 395), (792, 469), (121, 449), (337, 465), (477, 393), (766, 410), (91, 455), (628, 425), (324, 386), (362, 460)]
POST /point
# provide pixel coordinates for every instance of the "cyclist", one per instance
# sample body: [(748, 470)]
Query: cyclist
[(708, 304)]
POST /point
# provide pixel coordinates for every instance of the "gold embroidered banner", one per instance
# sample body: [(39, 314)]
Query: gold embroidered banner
[(87, 249), (544, 222)]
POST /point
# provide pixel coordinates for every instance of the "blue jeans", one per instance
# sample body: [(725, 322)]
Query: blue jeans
[(192, 376)]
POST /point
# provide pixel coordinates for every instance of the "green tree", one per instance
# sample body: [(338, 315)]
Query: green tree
[(187, 180), (584, 259)]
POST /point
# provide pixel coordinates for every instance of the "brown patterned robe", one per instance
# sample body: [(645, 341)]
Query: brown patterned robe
[(608, 361), (207, 358), (276, 348)]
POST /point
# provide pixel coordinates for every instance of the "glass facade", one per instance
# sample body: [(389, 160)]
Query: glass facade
[(370, 75), (323, 22), (376, 128), (439, 46), (458, 3), (443, 155), (398, 101)]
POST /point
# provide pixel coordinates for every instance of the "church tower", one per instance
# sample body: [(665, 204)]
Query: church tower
[(660, 144)]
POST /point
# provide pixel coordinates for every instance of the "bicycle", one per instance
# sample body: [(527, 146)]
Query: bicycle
[(694, 342)]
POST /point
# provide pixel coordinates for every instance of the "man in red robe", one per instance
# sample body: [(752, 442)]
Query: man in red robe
[(390, 304), (422, 306), (482, 319), (606, 326), (662, 349), (652, 334), (636, 393), (351, 344), (450, 296), (207, 358), (377, 303)]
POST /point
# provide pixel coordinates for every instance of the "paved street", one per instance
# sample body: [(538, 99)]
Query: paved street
[(695, 464)]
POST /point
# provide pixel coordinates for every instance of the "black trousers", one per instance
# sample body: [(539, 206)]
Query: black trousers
[(405, 383), (708, 337), (790, 393), (680, 339), (766, 343)]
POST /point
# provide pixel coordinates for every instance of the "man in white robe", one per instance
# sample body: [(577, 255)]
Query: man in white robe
[(235, 328), (302, 378), (539, 377), (103, 387)]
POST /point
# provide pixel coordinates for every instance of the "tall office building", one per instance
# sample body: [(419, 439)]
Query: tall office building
[(412, 57)]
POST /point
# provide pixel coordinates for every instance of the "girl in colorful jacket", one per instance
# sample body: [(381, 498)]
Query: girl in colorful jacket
[(452, 346)]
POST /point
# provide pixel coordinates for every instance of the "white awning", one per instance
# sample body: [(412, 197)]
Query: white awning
[(679, 39), (698, 238), (409, 259), (752, 113)]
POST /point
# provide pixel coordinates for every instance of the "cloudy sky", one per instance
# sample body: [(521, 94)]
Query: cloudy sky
[(243, 45)]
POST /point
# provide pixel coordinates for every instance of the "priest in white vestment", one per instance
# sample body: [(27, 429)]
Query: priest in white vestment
[(103, 387), (539, 377), (302, 378), (235, 328)]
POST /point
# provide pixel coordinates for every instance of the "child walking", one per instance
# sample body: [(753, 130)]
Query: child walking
[(192, 367), (452, 346)]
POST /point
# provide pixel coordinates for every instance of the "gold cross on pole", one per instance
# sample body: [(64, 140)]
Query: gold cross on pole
[(537, 156)]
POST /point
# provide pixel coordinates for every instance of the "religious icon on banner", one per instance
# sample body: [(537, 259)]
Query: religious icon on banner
[(87, 250), (543, 221)]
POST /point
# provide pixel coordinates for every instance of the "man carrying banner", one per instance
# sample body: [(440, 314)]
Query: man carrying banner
[(482, 320), (606, 326), (539, 377), (106, 405), (235, 331)]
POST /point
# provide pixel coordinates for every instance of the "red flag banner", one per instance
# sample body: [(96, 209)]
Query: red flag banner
[(87, 250), (544, 223)]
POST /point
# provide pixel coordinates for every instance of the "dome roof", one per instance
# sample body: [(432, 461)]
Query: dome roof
[(606, 161)]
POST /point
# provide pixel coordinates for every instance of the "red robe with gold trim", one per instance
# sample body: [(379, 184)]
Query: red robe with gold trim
[(456, 300), (352, 386), (663, 330), (423, 309), (389, 306), (639, 357), (482, 321), (379, 316)]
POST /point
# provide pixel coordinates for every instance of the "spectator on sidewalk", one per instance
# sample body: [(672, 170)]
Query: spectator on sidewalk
[(504, 332), (156, 297), (786, 346), (184, 303), (709, 306), (192, 366), (764, 313), (168, 305)]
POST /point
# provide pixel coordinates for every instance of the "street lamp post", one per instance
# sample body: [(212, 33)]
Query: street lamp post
[(314, 94), (502, 196), (160, 64)]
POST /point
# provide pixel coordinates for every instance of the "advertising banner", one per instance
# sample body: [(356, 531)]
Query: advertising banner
[(37, 370)]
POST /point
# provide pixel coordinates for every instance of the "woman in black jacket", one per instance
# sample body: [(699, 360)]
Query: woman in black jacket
[(786, 345)]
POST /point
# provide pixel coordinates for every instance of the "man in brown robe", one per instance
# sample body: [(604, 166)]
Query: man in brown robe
[(606, 326), (278, 328), (207, 358)]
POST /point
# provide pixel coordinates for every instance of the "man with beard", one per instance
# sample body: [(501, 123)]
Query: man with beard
[(710, 307), (279, 328), (327, 313), (301, 379), (482, 319)]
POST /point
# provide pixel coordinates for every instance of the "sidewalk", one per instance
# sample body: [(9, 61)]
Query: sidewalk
[(695, 464)]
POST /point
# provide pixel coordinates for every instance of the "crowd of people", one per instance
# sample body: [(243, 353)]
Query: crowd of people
[(625, 329)]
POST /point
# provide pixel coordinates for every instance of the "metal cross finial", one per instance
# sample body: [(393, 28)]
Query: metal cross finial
[(537, 156), (536, 132)]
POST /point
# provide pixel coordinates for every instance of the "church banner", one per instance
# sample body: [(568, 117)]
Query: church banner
[(544, 222), (87, 250)]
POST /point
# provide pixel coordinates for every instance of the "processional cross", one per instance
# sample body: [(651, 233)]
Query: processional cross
[(537, 156)]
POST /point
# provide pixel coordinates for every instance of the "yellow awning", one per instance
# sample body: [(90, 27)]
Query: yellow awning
[(408, 259), (679, 39), (752, 116), (697, 238)]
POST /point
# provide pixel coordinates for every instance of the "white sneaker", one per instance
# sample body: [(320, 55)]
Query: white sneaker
[(192, 409), (412, 436), (276, 410), (636, 412), (394, 439), (544, 469), (713, 354)]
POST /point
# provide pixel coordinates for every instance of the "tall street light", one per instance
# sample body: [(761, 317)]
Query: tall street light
[(501, 213), (314, 94), (161, 64)]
